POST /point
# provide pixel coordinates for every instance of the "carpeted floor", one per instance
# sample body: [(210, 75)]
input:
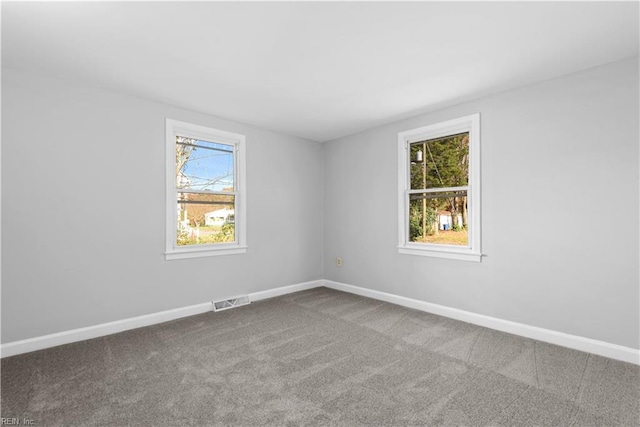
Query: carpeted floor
[(318, 357)]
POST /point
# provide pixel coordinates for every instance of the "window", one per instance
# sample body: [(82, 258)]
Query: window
[(205, 191), (439, 190)]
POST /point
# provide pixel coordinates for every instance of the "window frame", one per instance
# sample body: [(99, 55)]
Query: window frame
[(189, 130), (471, 252)]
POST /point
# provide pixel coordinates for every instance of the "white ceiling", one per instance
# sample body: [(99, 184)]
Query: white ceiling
[(316, 70)]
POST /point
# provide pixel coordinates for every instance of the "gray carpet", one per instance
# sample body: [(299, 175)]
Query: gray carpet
[(318, 357)]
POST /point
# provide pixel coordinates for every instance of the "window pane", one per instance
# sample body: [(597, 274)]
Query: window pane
[(440, 162), (439, 218), (205, 219), (204, 165)]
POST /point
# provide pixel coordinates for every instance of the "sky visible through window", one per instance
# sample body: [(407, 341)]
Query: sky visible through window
[(204, 165)]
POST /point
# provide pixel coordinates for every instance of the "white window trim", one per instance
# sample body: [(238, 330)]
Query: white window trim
[(173, 251), (472, 252)]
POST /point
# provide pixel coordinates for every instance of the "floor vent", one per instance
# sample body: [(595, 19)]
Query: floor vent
[(230, 303)]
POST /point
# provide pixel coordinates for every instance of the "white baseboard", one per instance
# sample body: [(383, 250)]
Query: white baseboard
[(276, 292), (74, 335), (601, 348)]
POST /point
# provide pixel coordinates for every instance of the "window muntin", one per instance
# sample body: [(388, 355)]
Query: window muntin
[(439, 192), (205, 191)]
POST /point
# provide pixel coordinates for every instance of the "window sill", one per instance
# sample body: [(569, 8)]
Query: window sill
[(453, 253), (200, 252)]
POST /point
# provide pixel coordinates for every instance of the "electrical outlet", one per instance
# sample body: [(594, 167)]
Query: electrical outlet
[(339, 261)]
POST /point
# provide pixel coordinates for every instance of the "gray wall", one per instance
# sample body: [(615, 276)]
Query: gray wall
[(83, 210), (559, 213)]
